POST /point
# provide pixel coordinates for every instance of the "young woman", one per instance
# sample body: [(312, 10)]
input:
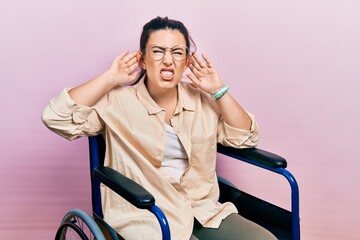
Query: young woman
[(162, 133)]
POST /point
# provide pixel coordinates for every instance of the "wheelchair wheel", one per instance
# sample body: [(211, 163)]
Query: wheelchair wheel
[(77, 225)]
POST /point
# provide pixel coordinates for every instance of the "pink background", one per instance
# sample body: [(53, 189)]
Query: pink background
[(294, 64)]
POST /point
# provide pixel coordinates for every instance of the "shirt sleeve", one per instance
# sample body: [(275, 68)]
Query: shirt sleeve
[(238, 138), (70, 120)]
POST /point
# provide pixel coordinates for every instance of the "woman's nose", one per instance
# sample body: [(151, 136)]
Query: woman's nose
[(168, 58)]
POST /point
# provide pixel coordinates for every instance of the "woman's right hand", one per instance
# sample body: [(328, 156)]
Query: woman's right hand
[(122, 69), (121, 72)]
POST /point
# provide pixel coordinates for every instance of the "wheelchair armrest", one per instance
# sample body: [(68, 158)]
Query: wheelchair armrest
[(125, 187), (274, 163), (254, 156)]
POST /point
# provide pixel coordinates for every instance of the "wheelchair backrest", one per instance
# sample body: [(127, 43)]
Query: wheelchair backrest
[(97, 155)]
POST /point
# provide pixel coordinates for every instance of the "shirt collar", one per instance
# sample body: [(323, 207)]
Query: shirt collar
[(186, 99)]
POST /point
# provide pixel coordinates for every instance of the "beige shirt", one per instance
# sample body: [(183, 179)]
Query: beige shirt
[(135, 140)]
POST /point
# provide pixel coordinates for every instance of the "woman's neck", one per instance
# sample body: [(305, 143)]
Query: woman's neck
[(166, 98), (162, 96)]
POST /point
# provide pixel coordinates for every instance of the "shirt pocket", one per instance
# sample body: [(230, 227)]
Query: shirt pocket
[(203, 154)]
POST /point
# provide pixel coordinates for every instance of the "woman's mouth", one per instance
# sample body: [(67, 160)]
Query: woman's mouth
[(167, 74)]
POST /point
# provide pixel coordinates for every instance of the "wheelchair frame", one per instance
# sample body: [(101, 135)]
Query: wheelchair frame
[(134, 193)]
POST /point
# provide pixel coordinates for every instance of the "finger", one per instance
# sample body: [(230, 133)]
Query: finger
[(129, 57), (118, 60), (194, 63), (193, 78), (207, 61), (131, 61), (127, 62), (133, 66), (193, 58), (200, 61), (195, 70), (122, 55)]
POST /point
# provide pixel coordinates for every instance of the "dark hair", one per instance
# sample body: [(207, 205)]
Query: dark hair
[(160, 23)]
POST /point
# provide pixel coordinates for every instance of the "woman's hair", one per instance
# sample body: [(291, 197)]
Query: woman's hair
[(160, 23)]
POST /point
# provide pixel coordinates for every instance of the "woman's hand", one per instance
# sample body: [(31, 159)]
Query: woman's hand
[(204, 74), (122, 69)]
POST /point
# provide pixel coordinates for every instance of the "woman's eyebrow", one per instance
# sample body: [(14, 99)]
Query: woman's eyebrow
[(176, 47)]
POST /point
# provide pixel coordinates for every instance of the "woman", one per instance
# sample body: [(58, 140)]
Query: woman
[(162, 132)]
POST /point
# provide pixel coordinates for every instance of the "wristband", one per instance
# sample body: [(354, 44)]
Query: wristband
[(219, 93)]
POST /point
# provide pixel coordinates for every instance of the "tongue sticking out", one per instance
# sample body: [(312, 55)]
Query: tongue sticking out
[(167, 75)]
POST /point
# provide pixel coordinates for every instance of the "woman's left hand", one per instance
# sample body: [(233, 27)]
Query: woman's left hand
[(204, 74)]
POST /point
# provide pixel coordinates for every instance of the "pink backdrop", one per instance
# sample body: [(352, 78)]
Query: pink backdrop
[(294, 64)]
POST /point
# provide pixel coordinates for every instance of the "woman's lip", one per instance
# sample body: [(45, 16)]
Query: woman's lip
[(167, 70), (167, 75)]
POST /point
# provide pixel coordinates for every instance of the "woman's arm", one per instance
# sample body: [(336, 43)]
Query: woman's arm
[(120, 72), (71, 114), (206, 78), (233, 113)]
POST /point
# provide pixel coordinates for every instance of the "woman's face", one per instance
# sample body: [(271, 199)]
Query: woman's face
[(166, 72)]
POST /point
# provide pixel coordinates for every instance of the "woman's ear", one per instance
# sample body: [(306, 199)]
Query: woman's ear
[(188, 62), (140, 59)]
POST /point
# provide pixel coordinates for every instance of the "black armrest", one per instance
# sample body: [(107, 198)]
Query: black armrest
[(254, 156), (125, 187)]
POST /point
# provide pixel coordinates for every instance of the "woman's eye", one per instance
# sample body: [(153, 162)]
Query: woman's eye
[(178, 53)]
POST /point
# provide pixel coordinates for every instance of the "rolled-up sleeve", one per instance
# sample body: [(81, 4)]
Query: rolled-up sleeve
[(70, 120), (238, 138)]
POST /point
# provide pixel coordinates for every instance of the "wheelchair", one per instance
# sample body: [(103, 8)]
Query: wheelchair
[(284, 224)]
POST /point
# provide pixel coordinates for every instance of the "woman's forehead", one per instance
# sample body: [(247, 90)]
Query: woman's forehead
[(166, 38)]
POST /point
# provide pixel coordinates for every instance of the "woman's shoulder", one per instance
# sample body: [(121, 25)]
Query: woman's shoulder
[(122, 91)]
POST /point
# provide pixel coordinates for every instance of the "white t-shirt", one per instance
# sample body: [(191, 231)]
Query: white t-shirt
[(175, 160)]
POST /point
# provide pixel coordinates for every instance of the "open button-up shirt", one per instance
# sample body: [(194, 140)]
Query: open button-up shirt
[(134, 126)]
